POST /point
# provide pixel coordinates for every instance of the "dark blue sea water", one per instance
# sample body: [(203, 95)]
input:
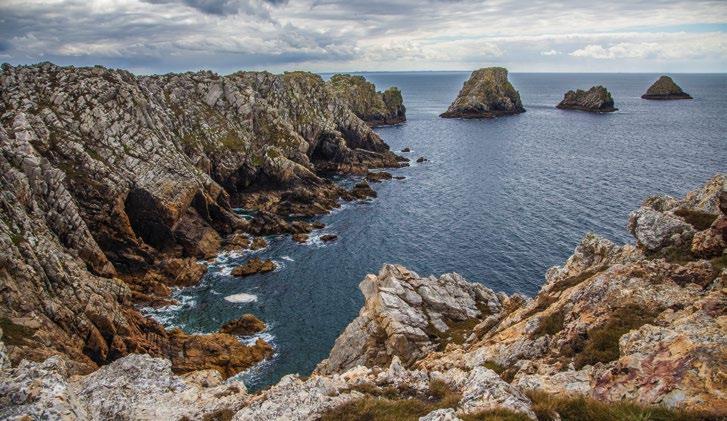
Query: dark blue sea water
[(499, 201)]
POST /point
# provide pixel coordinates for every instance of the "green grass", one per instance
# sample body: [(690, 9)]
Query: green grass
[(395, 408), (601, 343), (583, 409), (698, 219)]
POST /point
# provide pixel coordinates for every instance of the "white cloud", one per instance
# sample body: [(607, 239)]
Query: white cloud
[(550, 53)]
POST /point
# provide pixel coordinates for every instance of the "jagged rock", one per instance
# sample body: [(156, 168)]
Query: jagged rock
[(597, 100), (656, 230), (109, 177), (406, 150), (236, 241), (246, 325), (421, 159), (665, 88), (375, 108), (486, 94), (258, 243), (408, 316), (134, 387), (377, 177), (253, 266), (328, 238), (362, 191), (300, 238)]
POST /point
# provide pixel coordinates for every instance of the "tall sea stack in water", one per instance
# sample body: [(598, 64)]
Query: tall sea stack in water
[(486, 94), (595, 100), (665, 88)]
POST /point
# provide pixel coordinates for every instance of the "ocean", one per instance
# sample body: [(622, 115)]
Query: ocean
[(499, 201)]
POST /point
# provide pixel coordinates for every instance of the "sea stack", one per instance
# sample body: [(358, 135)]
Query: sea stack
[(486, 94), (595, 100), (375, 108), (665, 88)]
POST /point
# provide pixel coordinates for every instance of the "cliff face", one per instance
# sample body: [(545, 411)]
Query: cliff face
[(486, 94), (597, 100), (642, 323), (665, 88), (375, 108), (114, 185)]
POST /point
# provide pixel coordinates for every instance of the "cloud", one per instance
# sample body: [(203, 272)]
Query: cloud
[(339, 35)]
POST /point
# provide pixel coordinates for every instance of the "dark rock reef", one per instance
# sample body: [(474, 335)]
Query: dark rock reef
[(375, 108), (112, 186), (665, 88), (595, 100), (486, 94)]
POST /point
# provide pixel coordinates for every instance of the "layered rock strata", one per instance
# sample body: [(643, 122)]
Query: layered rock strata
[(643, 323), (486, 94), (375, 108), (665, 88), (596, 100), (113, 186)]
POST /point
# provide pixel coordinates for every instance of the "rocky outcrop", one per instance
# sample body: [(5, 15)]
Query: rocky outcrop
[(486, 94), (253, 266), (114, 185), (596, 100), (635, 323), (665, 88), (375, 108), (246, 325)]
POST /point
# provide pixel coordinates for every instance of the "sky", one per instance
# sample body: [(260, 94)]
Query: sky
[(159, 36)]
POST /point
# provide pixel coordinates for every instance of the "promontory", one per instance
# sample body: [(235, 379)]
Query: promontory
[(665, 88), (596, 100), (486, 94), (375, 108)]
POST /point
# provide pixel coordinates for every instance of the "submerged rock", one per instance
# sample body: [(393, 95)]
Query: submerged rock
[(665, 88), (246, 325), (253, 266), (421, 159), (597, 99), (328, 238), (375, 108), (362, 190), (486, 94)]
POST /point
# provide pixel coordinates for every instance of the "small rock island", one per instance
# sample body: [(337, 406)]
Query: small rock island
[(375, 108), (595, 100), (486, 94), (665, 89)]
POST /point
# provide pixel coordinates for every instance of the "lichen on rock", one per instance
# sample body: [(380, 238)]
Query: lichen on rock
[(486, 94), (596, 100)]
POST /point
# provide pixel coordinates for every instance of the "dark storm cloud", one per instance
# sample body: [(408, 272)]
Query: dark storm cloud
[(221, 7)]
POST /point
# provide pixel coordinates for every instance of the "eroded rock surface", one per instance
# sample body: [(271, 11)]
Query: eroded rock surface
[(596, 100), (375, 108), (112, 186), (665, 88), (486, 94)]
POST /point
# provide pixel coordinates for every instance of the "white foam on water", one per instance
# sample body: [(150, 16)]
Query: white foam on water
[(241, 298), (288, 258)]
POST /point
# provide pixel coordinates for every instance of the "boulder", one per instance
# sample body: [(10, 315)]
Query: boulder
[(486, 94), (665, 89), (596, 100), (246, 325), (253, 266)]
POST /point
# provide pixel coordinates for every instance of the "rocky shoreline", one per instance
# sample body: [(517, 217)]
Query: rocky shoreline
[(633, 328), (114, 186)]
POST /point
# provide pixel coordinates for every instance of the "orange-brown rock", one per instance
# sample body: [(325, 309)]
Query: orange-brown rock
[(246, 325), (253, 266)]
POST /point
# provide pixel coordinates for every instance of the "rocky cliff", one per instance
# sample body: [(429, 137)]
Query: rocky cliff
[(375, 108), (665, 88), (114, 185), (486, 94), (617, 332), (596, 100)]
